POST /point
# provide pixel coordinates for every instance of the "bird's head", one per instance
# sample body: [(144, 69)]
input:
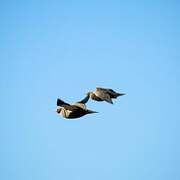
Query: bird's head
[(58, 110)]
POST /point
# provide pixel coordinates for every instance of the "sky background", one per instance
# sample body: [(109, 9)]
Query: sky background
[(51, 49)]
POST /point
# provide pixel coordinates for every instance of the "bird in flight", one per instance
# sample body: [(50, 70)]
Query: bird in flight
[(104, 94), (79, 109), (76, 110)]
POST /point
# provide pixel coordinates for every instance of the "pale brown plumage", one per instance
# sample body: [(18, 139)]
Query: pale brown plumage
[(104, 94)]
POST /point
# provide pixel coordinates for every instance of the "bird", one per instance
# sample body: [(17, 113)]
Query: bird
[(103, 94), (76, 110)]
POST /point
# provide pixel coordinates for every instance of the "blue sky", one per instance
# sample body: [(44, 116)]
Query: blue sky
[(63, 49)]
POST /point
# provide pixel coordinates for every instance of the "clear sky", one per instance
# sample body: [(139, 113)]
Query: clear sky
[(51, 49)]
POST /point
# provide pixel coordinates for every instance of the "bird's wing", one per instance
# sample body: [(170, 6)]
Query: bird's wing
[(84, 101), (111, 90), (61, 103), (106, 90), (66, 106), (103, 95), (99, 88)]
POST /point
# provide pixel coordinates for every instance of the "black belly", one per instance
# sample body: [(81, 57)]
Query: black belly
[(77, 114)]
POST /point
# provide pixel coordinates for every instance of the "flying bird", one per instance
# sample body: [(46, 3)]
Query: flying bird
[(104, 94), (76, 110)]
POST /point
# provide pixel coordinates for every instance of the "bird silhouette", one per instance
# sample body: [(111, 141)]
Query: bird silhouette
[(104, 94), (76, 110)]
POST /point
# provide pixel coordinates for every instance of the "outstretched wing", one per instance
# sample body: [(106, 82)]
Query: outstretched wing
[(61, 103), (66, 106), (106, 90), (85, 100), (101, 93)]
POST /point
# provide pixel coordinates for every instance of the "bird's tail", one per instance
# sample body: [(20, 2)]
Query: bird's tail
[(90, 111), (120, 94)]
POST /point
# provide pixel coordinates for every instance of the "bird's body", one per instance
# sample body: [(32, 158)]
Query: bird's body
[(72, 111), (104, 94)]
